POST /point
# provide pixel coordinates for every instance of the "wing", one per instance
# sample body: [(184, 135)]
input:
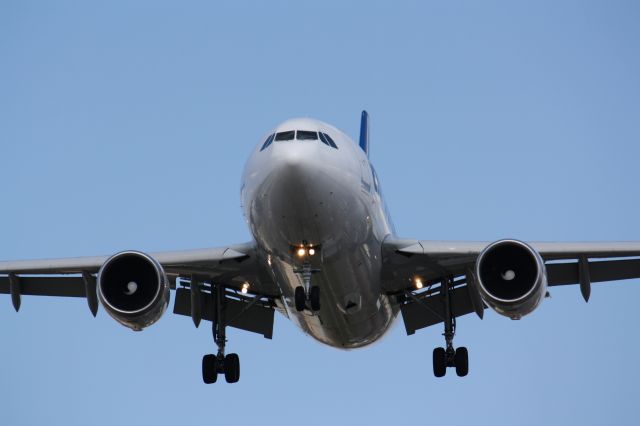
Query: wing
[(435, 261), (231, 266)]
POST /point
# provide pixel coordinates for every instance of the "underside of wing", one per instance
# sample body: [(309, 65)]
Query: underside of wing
[(233, 265), (134, 287), (507, 275), (405, 258)]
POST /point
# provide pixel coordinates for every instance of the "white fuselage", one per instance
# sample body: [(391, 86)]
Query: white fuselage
[(305, 191)]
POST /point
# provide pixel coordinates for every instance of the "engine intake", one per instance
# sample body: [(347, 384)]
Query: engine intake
[(511, 278), (133, 288)]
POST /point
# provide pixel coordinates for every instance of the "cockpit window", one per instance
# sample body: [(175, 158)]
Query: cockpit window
[(323, 139), (267, 142), (304, 135), (331, 142), (326, 139), (301, 135), (286, 136)]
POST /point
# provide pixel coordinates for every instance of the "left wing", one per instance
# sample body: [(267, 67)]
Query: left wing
[(435, 261), (232, 266)]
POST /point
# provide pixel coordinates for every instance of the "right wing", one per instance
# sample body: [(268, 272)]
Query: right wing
[(567, 263)]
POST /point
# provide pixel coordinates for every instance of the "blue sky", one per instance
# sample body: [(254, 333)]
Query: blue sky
[(126, 125)]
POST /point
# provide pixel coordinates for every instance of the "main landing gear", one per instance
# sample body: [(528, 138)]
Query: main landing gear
[(449, 357), (212, 365), (229, 364), (307, 293)]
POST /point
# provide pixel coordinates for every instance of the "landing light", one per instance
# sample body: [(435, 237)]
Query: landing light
[(302, 252), (418, 283), (245, 288), (312, 252)]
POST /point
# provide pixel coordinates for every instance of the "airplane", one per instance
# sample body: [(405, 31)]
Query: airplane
[(326, 256)]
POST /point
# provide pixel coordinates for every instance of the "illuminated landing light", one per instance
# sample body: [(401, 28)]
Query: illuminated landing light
[(245, 288), (418, 283), (301, 252), (312, 252)]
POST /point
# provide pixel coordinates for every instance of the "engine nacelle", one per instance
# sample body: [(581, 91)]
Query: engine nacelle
[(134, 289), (511, 278)]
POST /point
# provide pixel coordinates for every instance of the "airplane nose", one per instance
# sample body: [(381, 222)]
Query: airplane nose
[(305, 192), (292, 161)]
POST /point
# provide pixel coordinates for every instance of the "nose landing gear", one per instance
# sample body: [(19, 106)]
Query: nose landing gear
[(307, 292), (312, 291), (301, 299)]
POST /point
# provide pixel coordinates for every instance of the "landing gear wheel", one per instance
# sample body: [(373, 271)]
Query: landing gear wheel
[(209, 369), (300, 299), (439, 362), (232, 368), (462, 361), (314, 298)]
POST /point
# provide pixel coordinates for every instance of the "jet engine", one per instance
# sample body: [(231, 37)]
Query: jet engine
[(133, 288), (511, 278)]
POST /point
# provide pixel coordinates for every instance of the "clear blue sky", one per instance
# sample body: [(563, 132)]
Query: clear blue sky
[(125, 124)]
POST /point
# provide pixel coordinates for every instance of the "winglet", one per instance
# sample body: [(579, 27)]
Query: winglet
[(364, 132)]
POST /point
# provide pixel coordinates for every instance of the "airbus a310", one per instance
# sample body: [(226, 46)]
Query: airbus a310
[(325, 255)]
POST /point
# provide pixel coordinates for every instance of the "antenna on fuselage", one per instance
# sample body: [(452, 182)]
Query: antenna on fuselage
[(364, 132)]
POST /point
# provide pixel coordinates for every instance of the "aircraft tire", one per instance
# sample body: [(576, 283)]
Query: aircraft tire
[(300, 299), (209, 373), (461, 360), (439, 362), (314, 298), (232, 368)]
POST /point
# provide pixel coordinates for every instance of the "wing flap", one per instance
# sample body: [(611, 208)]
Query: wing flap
[(599, 271), (46, 286), (241, 314), (426, 311)]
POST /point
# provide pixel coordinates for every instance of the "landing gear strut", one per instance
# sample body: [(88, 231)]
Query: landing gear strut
[(307, 292), (449, 357), (229, 364)]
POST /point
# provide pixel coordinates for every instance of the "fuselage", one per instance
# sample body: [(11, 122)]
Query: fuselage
[(307, 189)]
